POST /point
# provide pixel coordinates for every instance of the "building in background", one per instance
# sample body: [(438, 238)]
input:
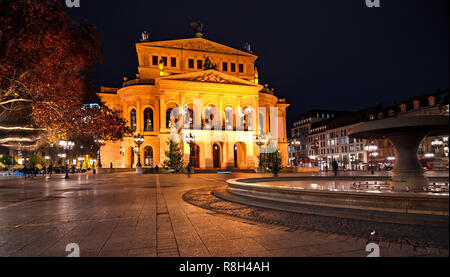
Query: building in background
[(195, 75), (320, 138), (298, 143)]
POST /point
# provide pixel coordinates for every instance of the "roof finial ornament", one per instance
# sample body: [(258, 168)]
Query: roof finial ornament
[(248, 47), (145, 36), (256, 76), (198, 27), (161, 67)]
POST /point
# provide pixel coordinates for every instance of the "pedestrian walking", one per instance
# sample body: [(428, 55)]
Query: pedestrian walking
[(189, 169), (25, 172), (50, 169), (335, 167)]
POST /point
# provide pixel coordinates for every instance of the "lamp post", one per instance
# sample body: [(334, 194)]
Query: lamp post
[(371, 149), (295, 148), (100, 143), (66, 146), (437, 145), (260, 141), (139, 140), (81, 160)]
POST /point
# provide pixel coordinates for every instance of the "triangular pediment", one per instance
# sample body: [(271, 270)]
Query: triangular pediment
[(209, 76), (197, 44)]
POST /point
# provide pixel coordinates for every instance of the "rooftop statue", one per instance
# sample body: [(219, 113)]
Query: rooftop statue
[(145, 36), (198, 27)]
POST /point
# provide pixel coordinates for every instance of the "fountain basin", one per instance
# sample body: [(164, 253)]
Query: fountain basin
[(287, 190)]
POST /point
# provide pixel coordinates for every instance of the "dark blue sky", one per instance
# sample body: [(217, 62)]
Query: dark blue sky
[(319, 54)]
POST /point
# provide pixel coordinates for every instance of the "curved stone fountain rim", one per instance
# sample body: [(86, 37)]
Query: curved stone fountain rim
[(425, 204), (376, 128), (251, 184)]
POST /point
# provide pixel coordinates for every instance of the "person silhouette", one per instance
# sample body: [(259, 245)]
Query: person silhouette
[(335, 167)]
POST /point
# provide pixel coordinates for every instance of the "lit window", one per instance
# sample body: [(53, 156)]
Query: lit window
[(164, 60), (148, 120), (224, 66), (403, 108), (133, 120), (233, 67), (155, 60), (191, 63)]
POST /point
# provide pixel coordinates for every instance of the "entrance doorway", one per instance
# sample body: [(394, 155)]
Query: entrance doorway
[(131, 157), (148, 156), (216, 155), (240, 155), (195, 154), (236, 165)]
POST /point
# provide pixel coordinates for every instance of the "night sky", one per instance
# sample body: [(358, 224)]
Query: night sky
[(318, 54)]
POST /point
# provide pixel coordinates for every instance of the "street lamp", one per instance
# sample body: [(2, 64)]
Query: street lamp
[(81, 160), (260, 141), (139, 140), (100, 143), (371, 149), (67, 146)]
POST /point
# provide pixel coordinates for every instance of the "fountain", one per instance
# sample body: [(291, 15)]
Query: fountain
[(405, 133), (408, 197)]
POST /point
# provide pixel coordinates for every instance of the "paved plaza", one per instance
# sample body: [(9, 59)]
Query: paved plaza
[(129, 215)]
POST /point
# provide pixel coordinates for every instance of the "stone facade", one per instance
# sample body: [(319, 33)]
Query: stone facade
[(172, 75)]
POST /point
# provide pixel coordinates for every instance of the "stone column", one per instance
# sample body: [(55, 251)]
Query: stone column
[(407, 173), (139, 116)]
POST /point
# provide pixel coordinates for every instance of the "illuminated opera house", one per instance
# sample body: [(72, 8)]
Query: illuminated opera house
[(216, 86)]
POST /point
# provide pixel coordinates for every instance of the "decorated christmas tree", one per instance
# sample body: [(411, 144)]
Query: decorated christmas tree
[(273, 162), (174, 157)]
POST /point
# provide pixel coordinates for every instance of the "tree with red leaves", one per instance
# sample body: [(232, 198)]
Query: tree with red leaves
[(45, 58)]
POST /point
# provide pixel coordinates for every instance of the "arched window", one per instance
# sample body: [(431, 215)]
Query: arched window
[(209, 116), (246, 118), (188, 117), (133, 120), (148, 120), (230, 118), (148, 156), (262, 123), (169, 118)]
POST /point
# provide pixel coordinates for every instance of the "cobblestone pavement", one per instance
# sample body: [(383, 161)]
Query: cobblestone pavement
[(386, 233), (145, 216)]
